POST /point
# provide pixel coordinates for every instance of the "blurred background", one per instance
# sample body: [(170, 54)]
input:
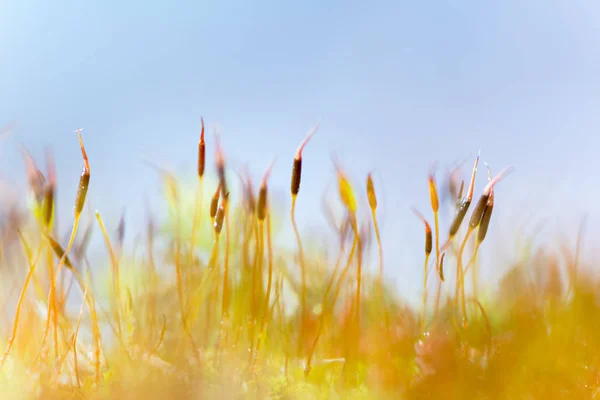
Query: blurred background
[(395, 86)]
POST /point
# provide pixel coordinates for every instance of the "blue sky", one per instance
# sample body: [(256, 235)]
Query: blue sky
[(393, 85)]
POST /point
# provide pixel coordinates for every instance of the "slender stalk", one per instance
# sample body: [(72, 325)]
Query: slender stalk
[(428, 249), (473, 258), (115, 272), (324, 303), (213, 210), (218, 226), (198, 202), (302, 274), (266, 313), (372, 197), (254, 287), (436, 222), (262, 211), (462, 207), (220, 164), (225, 309), (433, 196), (32, 265), (195, 222), (76, 363), (475, 274), (84, 181), (460, 279), (295, 189), (358, 290)]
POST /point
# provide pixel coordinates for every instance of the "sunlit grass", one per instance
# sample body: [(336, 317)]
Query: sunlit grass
[(204, 305)]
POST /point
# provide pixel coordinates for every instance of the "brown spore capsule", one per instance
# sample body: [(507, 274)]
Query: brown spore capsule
[(428, 241), (484, 200), (84, 179), (297, 165), (428, 234), (345, 191), (433, 196), (487, 212), (214, 202), (34, 175), (296, 176), (201, 152), (250, 198), (49, 189), (485, 221), (478, 211), (221, 169), (261, 207), (220, 217), (371, 196), (465, 203), (459, 216), (442, 266), (48, 204), (121, 230)]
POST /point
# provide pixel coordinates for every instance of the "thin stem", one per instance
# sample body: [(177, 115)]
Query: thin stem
[(225, 310), (324, 307), (379, 247), (179, 283), (474, 273), (76, 366), (380, 278), (52, 294), (195, 222), (115, 271), (437, 261), (461, 277), (358, 289), (424, 305), (32, 265), (302, 273), (266, 314), (473, 257), (257, 270)]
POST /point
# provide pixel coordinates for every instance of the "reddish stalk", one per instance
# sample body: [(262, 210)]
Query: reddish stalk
[(295, 189)]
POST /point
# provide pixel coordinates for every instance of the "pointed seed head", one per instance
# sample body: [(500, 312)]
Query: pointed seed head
[(49, 190), (201, 153), (433, 196), (261, 207), (345, 189), (487, 213), (214, 203), (463, 207), (84, 179), (34, 175), (428, 234), (121, 230), (297, 165), (221, 168), (371, 193), (220, 217)]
